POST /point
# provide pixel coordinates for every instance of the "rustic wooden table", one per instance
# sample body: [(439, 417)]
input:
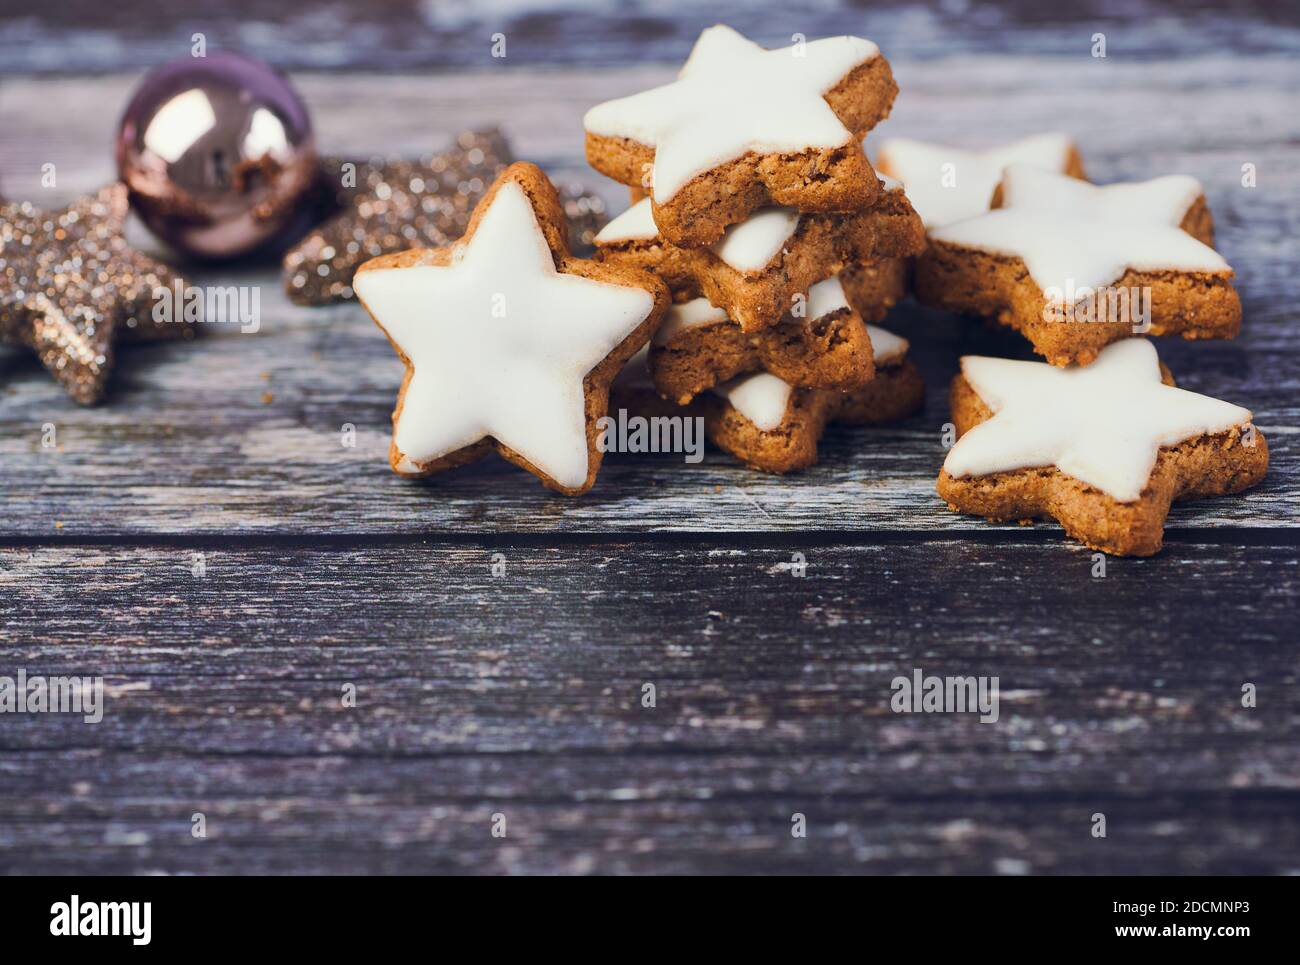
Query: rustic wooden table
[(519, 694)]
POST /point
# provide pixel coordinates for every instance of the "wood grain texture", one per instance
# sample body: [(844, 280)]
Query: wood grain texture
[(520, 694), (250, 430)]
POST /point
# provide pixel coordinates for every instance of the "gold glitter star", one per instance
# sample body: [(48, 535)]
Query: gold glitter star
[(391, 205), (70, 285)]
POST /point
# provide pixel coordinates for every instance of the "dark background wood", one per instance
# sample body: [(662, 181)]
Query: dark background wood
[(79, 36), (520, 694)]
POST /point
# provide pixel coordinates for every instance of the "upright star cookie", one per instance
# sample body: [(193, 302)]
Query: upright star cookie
[(1104, 449), (70, 285), (948, 184), (1074, 267), (510, 342), (388, 205), (742, 127)]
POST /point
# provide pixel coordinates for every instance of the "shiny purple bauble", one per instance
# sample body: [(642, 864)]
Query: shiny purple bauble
[(219, 156)]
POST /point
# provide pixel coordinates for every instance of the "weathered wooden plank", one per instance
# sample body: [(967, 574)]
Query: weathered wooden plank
[(255, 586), (244, 433), (120, 814), (735, 639), (521, 694)]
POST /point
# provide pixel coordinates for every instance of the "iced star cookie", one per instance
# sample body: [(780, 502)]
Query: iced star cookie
[(756, 270), (1074, 267), (744, 127), (770, 425), (947, 184), (510, 342), (698, 347), (1105, 449)]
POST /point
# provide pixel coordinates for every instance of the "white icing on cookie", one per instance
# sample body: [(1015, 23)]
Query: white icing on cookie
[(635, 224), (733, 97), (825, 297), (890, 184), (688, 315), (761, 398), (1073, 235), (500, 343), (942, 194), (1103, 424), (886, 347), (750, 246)]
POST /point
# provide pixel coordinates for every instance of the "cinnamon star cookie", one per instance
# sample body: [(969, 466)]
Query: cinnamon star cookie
[(826, 346), (1074, 267), (1105, 449), (742, 127), (759, 266), (771, 425), (510, 342)]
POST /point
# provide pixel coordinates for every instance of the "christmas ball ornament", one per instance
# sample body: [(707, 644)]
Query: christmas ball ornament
[(218, 155)]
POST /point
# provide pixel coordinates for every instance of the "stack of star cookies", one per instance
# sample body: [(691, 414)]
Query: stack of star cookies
[(741, 288), (752, 199)]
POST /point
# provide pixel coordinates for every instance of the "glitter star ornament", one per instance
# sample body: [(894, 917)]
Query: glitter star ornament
[(391, 205), (70, 286)]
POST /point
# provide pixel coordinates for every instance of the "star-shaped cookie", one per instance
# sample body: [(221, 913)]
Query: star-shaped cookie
[(742, 127), (826, 346), (70, 286), (1105, 449), (509, 341), (771, 425), (947, 184), (385, 205), (759, 266), (1074, 267)]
